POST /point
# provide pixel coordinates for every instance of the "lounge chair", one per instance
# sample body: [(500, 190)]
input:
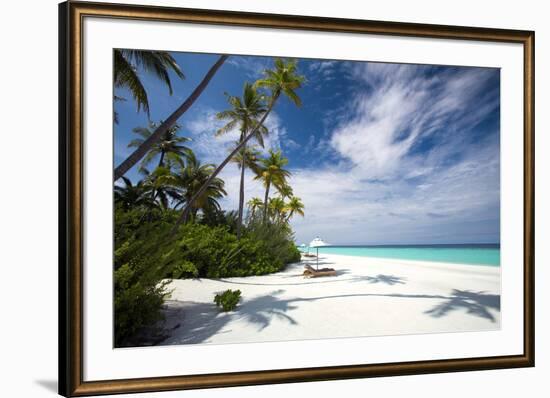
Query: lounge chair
[(311, 272)]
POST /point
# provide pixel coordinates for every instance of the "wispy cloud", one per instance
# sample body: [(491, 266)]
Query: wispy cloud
[(404, 106), (346, 208), (252, 66), (325, 69), (411, 167)]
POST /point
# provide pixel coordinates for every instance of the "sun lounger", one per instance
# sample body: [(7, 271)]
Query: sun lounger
[(311, 272)]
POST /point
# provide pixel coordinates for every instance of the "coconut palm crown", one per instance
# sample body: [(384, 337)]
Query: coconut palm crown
[(158, 63), (168, 148), (272, 172)]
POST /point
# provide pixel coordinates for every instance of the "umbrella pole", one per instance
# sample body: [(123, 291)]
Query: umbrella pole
[(317, 259)]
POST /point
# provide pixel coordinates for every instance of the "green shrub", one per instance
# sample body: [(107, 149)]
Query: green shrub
[(214, 252), (276, 239), (185, 269), (228, 300), (142, 258), (146, 253)]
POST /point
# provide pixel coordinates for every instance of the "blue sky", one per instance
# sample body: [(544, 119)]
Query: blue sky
[(379, 153)]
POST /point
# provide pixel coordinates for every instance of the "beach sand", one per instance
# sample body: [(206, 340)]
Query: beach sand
[(368, 297)]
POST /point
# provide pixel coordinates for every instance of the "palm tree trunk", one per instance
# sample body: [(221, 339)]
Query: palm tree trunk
[(161, 160), (289, 216), (153, 193), (169, 122), (241, 195), (266, 198), (220, 167)]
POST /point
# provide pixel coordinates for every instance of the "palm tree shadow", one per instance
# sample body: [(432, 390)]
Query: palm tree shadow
[(475, 303), (201, 321), (380, 278), (204, 320), (263, 309), (290, 276)]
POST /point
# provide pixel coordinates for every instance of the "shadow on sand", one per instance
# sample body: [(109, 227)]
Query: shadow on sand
[(205, 320), (380, 278), (475, 303)]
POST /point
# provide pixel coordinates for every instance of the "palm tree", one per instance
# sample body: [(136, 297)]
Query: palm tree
[(168, 147), (285, 191), (284, 80), (244, 114), (142, 150), (294, 206), (189, 179), (130, 196), (158, 63), (162, 194), (255, 204), (277, 209), (249, 157), (272, 172)]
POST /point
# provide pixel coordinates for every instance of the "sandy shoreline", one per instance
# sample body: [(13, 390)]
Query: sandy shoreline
[(368, 297)]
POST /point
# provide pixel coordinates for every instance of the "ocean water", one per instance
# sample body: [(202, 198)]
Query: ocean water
[(472, 254)]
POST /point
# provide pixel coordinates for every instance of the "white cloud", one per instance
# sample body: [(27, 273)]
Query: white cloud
[(384, 192), (346, 209), (402, 107), (252, 66), (322, 66)]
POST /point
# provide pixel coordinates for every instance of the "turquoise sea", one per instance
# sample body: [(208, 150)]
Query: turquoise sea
[(473, 254)]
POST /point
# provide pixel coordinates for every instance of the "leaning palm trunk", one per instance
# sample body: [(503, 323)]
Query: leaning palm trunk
[(161, 160), (241, 195), (189, 204), (161, 163), (169, 122), (266, 198)]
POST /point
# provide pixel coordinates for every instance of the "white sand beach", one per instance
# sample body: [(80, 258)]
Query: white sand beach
[(368, 297)]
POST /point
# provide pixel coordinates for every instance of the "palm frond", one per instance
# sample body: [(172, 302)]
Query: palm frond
[(231, 125), (126, 76), (156, 62)]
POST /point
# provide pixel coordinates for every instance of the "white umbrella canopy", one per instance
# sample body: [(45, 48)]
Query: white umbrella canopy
[(317, 243)]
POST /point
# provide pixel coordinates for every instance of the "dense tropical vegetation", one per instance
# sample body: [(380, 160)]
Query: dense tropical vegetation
[(171, 223)]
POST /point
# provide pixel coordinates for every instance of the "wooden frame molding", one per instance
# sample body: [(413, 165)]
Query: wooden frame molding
[(71, 15)]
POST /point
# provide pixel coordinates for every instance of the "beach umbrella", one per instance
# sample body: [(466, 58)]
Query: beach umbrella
[(317, 243), (303, 246)]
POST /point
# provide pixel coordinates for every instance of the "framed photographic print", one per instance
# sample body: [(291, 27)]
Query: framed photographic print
[(253, 199)]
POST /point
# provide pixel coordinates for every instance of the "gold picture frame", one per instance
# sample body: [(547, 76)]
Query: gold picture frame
[(71, 239)]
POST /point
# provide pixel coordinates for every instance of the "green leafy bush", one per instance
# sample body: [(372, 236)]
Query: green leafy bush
[(276, 239), (228, 300), (146, 253), (142, 259), (214, 252), (185, 269)]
